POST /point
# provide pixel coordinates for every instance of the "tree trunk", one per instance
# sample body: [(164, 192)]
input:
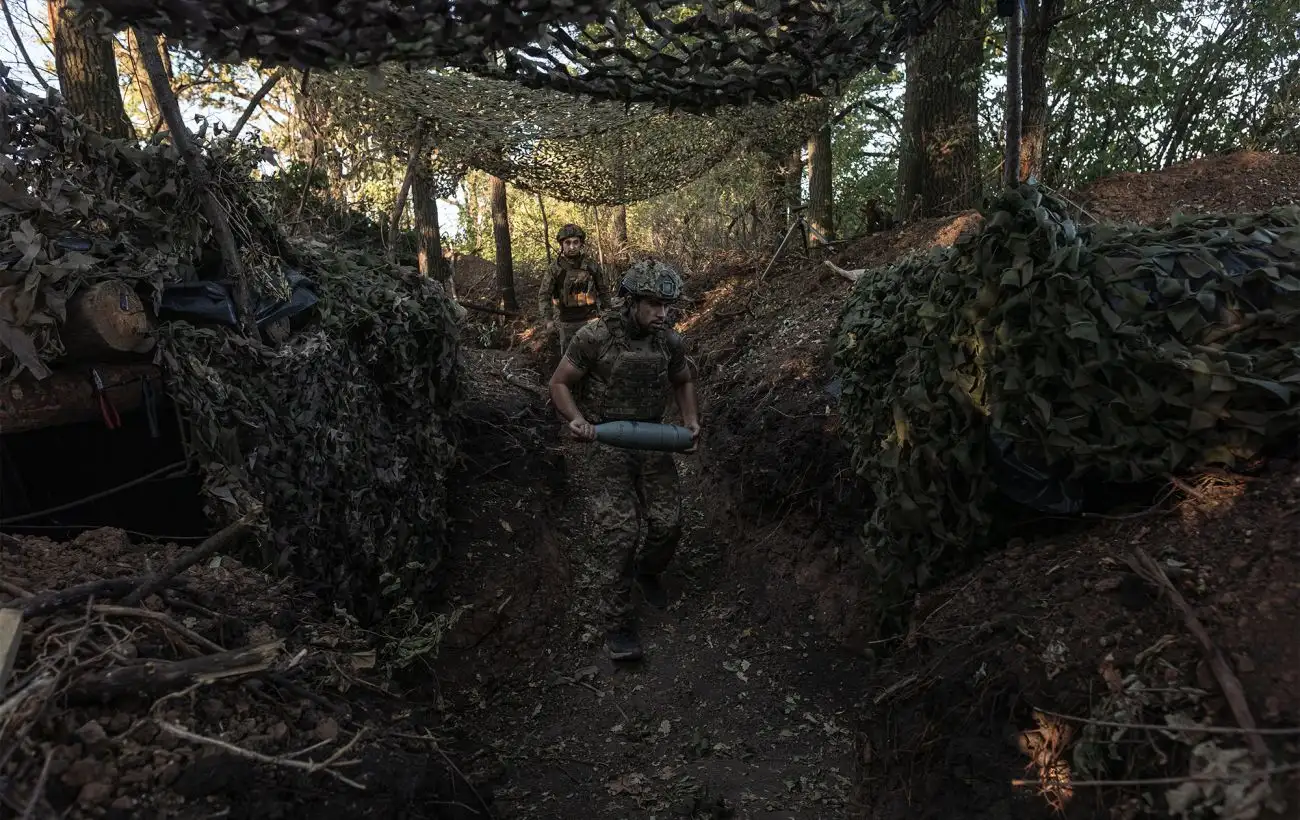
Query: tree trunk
[(473, 207), (770, 221), (399, 204), (1015, 41), (622, 252), (939, 164), (820, 193), (141, 80), (106, 321), (87, 71), (213, 209), (793, 171), (1039, 21), (501, 232), (546, 229), (427, 233)]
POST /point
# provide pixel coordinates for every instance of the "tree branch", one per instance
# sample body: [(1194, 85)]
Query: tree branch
[(399, 204), (255, 102), (876, 107), (18, 42)]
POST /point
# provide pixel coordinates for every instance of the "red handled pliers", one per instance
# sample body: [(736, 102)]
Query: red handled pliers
[(106, 409)]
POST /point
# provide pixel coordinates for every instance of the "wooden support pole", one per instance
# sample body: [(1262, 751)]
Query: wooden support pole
[(200, 178), (11, 633), (68, 396)]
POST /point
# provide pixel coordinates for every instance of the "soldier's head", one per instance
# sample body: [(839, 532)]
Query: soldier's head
[(571, 239), (648, 289)]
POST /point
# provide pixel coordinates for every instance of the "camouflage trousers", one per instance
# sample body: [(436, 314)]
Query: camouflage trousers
[(637, 489), (562, 335)]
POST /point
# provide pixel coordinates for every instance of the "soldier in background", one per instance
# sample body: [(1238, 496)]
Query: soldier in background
[(573, 292), (624, 367)]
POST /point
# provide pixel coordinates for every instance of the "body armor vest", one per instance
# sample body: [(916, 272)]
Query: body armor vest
[(577, 293), (630, 381)]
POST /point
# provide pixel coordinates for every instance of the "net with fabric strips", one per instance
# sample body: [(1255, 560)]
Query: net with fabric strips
[(694, 56)]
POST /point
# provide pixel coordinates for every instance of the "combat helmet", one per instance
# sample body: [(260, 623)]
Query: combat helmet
[(570, 231), (650, 279)]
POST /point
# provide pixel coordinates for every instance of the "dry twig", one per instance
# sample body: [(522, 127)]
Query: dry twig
[(219, 540), (851, 275), (1144, 565), (1174, 781), (300, 765), (1209, 730), (162, 618)]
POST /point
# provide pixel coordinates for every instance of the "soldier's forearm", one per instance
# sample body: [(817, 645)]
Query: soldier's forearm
[(562, 396), (685, 394)]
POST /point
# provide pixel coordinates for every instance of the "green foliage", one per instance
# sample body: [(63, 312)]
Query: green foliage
[(1117, 353), (714, 213), (1165, 82), (866, 143)]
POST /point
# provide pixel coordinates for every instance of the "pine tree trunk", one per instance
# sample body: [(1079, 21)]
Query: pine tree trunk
[(940, 146), (1040, 19), (472, 209), (793, 171), (141, 80), (428, 234), (770, 222), (87, 71), (622, 251), (820, 193), (501, 232)]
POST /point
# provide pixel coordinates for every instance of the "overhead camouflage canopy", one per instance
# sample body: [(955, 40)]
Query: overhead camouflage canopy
[(568, 147), (692, 56)]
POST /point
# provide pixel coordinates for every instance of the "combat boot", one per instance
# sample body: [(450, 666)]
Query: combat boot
[(623, 644), (652, 589)]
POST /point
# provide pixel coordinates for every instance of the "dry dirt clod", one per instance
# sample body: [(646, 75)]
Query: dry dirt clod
[(83, 772), (93, 735), (327, 729), (94, 794)]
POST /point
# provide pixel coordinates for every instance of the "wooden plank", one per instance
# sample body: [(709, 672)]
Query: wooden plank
[(11, 632), (67, 396)]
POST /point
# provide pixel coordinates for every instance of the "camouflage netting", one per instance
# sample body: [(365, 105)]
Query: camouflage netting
[(1113, 353), (76, 208), (695, 56), (568, 148), (335, 439), (339, 434)]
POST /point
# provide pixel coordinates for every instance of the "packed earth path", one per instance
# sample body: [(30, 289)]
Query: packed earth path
[(730, 713)]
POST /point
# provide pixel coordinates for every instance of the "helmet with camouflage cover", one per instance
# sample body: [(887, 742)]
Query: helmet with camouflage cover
[(653, 280), (570, 231)]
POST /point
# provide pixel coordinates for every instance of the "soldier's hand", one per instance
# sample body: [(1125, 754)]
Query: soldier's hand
[(582, 429), (694, 427)]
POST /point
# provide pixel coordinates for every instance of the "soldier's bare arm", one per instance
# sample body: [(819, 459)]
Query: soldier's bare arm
[(578, 360), (563, 380), (683, 381)]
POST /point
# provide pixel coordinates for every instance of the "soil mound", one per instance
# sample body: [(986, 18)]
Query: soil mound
[(222, 692), (1061, 664), (1240, 182)]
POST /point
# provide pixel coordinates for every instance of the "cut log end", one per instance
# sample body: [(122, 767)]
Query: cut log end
[(107, 320)]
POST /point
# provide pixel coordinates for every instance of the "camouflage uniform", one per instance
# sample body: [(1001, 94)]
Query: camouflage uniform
[(627, 377), (572, 295)]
